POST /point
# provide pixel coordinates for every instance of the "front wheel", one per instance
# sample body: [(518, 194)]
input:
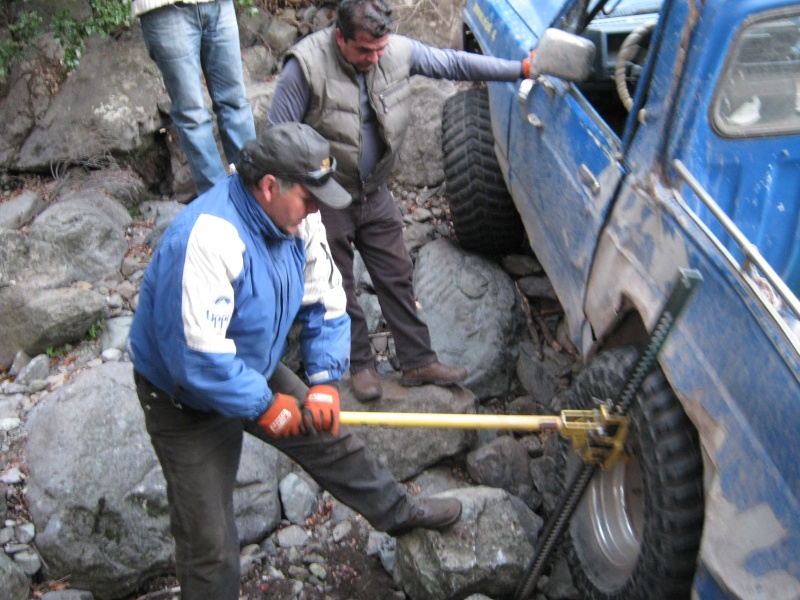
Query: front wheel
[(636, 533), (485, 218)]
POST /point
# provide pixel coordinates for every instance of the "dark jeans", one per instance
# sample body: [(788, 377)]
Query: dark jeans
[(375, 227), (199, 453)]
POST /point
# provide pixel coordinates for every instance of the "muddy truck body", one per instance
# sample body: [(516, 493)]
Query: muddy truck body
[(699, 170)]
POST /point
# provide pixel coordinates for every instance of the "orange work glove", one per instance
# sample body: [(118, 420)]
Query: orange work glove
[(282, 418), (321, 409), (526, 65)]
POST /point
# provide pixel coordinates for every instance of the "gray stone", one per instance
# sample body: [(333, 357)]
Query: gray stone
[(35, 262), (293, 536), (486, 550), (503, 463), (99, 504), (420, 448), (20, 210), (28, 561), (471, 309), (106, 106), (89, 227), (37, 368), (68, 595), (297, 498), (535, 377), (115, 332), (520, 265), (14, 583), (35, 319), (420, 161)]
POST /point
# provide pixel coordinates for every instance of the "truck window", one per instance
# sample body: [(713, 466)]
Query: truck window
[(618, 21), (759, 92)]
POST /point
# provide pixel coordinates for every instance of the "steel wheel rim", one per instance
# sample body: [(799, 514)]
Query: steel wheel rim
[(607, 525)]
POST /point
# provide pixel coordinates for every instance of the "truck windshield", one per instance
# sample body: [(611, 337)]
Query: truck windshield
[(759, 93)]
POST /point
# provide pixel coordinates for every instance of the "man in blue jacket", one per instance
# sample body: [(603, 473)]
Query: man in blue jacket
[(229, 277)]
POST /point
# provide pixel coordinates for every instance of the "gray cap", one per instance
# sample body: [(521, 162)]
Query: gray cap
[(296, 153)]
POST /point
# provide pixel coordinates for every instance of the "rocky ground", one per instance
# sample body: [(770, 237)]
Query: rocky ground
[(343, 558)]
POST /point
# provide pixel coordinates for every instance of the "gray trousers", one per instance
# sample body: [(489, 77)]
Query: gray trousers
[(199, 453), (375, 228)]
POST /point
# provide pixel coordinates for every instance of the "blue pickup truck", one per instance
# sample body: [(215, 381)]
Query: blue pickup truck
[(654, 138)]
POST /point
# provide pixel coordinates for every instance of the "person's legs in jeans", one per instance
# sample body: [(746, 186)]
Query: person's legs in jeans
[(173, 36), (342, 465), (199, 454), (221, 57)]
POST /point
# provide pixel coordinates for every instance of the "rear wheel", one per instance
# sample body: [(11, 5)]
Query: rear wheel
[(635, 534), (484, 216)]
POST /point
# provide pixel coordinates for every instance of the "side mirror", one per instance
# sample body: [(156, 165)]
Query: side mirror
[(563, 55)]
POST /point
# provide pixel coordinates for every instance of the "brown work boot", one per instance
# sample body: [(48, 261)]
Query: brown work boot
[(366, 384), (435, 373), (430, 513)]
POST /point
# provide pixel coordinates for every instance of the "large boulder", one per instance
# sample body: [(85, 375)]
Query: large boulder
[(487, 550), (421, 447), (89, 227), (472, 311), (97, 494), (34, 319)]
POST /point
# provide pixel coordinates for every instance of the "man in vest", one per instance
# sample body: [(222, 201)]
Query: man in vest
[(350, 82)]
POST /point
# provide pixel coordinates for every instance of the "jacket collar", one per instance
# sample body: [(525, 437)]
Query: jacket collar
[(246, 203)]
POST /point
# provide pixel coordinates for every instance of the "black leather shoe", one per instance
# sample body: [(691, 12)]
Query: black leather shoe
[(366, 384), (430, 513), (435, 373)]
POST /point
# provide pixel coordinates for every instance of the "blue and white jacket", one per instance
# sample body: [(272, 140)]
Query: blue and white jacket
[(220, 295)]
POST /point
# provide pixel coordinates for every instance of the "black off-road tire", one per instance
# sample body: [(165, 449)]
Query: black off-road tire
[(636, 533), (484, 216)]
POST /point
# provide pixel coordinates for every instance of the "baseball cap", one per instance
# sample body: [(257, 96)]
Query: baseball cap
[(295, 152)]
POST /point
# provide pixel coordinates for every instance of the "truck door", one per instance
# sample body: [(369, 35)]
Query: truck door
[(563, 173)]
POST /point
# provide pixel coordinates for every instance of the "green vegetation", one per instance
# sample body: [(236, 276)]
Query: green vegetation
[(21, 25), (53, 352), (20, 34), (95, 330), (108, 16)]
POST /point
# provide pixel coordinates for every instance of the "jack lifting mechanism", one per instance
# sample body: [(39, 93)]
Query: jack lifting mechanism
[(597, 435)]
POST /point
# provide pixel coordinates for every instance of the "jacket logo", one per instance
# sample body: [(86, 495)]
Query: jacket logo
[(220, 314)]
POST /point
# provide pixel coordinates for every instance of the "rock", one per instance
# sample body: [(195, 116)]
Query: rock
[(13, 579), (503, 463), (292, 536), (99, 504), (420, 161), (297, 498), (420, 448), (488, 549), (476, 326), (90, 228), (21, 210), (34, 319), (35, 262)]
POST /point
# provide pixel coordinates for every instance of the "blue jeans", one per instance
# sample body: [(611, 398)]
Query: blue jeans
[(189, 42)]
